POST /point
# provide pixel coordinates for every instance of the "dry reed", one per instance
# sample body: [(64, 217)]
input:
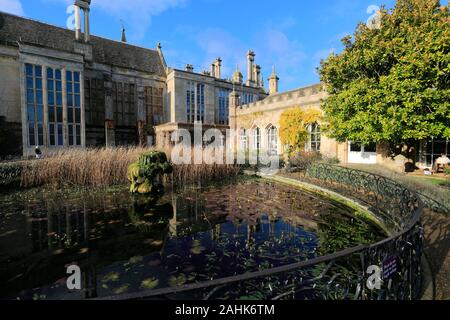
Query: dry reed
[(108, 167)]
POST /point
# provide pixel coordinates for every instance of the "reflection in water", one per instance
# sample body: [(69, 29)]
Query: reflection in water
[(127, 243)]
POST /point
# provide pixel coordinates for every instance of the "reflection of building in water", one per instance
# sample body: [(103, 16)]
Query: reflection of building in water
[(191, 215), (93, 234)]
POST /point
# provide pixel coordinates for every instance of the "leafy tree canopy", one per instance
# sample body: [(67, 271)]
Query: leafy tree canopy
[(392, 83)]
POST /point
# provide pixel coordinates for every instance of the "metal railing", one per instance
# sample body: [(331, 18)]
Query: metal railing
[(342, 275)]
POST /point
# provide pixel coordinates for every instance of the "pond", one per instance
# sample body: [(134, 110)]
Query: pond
[(126, 244)]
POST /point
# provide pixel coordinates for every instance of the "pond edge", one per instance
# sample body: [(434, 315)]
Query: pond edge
[(361, 211)]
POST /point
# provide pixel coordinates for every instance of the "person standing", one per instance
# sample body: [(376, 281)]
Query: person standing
[(38, 153)]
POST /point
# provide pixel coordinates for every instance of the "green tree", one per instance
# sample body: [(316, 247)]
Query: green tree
[(392, 83)]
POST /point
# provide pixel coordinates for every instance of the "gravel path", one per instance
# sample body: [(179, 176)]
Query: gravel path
[(437, 251)]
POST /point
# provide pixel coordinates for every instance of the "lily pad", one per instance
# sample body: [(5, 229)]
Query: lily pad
[(122, 289), (112, 276), (149, 283), (197, 250), (134, 260), (176, 281)]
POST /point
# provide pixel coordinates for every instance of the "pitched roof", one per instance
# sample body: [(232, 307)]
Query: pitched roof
[(14, 30)]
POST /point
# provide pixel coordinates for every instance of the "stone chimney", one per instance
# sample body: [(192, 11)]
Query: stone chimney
[(257, 75), (85, 6), (189, 68), (217, 68), (213, 70), (250, 70)]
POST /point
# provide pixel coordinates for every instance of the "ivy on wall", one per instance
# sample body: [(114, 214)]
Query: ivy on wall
[(293, 127)]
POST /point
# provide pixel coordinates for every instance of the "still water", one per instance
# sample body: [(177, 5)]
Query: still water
[(126, 244)]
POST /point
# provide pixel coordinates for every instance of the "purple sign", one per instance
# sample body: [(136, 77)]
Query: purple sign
[(389, 268)]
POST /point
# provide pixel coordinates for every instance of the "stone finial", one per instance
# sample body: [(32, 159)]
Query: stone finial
[(123, 37), (273, 82), (161, 55), (237, 76)]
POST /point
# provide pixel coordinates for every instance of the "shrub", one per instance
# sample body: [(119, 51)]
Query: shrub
[(301, 160), (447, 170), (331, 160)]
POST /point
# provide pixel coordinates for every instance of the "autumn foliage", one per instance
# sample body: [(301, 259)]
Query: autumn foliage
[(293, 127)]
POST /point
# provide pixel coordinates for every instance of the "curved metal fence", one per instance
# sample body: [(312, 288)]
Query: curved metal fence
[(388, 270)]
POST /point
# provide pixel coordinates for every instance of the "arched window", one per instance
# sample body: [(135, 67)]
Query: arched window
[(243, 140), (272, 140), (315, 137), (256, 138)]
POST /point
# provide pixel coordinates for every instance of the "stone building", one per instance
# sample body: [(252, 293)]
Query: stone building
[(257, 124), (205, 98), (70, 89), (65, 89)]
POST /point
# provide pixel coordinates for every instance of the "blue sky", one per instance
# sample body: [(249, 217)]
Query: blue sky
[(293, 35)]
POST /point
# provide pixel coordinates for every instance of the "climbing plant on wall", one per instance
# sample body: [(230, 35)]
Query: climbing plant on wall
[(293, 127)]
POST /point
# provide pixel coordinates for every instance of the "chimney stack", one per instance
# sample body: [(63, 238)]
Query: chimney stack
[(85, 6), (257, 75), (213, 70), (189, 68), (217, 68), (250, 71)]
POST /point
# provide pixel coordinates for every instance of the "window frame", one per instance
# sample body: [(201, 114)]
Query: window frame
[(35, 121), (314, 137)]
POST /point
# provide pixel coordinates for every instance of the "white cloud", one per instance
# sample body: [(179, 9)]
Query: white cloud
[(272, 47), (12, 6), (220, 43), (287, 55), (137, 14)]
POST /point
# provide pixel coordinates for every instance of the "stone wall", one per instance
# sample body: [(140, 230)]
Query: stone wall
[(267, 112), (10, 102)]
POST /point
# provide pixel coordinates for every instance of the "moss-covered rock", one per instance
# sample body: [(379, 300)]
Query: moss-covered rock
[(145, 174)]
